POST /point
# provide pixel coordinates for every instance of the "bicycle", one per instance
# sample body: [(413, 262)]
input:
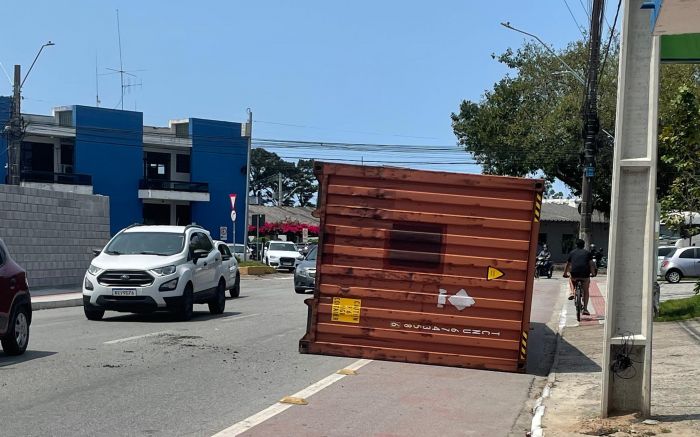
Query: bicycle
[(578, 298)]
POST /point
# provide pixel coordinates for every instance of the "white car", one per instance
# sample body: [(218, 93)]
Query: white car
[(151, 268), (282, 255), (230, 262), (240, 251)]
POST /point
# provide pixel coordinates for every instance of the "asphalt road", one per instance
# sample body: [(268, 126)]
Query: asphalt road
[(183, 378), (152, 376)]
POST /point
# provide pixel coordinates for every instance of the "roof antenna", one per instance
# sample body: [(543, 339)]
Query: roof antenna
[(121, 70), (97, 84)]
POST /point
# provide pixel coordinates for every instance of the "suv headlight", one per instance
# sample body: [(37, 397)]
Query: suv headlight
[(164, 271), (273, 257), (94, 271), (302, 271), (300, 257)]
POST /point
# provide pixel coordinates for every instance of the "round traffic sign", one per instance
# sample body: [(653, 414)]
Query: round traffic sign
[(233, 216)]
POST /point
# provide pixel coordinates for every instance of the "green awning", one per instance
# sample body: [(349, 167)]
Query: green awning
[(684, 48)]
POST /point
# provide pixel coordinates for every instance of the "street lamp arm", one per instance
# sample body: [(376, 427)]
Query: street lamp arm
[(34, 62), (568, 67), (578, 76)]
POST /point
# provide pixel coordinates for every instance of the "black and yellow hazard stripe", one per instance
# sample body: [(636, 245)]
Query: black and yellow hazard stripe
[(538, 207), (523, 346)]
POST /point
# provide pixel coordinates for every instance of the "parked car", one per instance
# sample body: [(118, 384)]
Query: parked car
[(240, 251), (661, 254), (305, 273), (282, 255), (680, 263), (230, 262), (152, 268), (15, 305)]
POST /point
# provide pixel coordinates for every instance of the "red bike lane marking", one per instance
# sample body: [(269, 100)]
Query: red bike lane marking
[(596, 305)]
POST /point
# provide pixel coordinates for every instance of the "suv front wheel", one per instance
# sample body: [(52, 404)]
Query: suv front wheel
[(93, 313)]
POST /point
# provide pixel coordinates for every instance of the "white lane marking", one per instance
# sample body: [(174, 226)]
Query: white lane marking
[(275, 409), (234, 318), (136, 337)]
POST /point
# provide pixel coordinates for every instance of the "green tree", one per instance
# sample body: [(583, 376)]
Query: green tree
[(299, 185), (304, 183), (530, 121), (680, 141), (265, 168)]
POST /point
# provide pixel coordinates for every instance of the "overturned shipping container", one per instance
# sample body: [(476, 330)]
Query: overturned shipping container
[(424, 267)]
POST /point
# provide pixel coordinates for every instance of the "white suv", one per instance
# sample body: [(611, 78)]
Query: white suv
[(151, 268), (282, 255)]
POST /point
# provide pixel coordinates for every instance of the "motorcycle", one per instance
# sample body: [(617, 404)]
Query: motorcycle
[(544, 267)]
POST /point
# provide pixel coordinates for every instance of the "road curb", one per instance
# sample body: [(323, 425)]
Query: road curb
[(52, 304), (538, 410)]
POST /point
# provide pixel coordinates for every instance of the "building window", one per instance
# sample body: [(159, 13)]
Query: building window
[(182, 164), (182, 130), (568, 241)]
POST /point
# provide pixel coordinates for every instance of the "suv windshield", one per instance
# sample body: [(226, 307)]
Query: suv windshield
[(289, 247), (146, 243)]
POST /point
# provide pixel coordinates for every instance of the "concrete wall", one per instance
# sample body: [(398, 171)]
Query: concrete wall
[(51, 234)]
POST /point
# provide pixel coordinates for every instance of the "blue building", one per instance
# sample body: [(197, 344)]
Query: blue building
[(180, 174)]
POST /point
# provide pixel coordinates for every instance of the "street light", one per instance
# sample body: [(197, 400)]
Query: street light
[(569, 70), (48, 44), (578, 76)]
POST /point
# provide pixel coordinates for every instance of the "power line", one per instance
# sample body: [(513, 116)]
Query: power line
[(580, 29), (612, 34), (343, 130)]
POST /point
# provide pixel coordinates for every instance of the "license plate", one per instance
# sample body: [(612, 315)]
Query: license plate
[(123, 292)]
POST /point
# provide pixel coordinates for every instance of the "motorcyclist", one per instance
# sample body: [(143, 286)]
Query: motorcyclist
[(544, 259)]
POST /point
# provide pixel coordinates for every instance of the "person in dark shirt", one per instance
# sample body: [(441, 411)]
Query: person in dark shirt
[(580, 265)]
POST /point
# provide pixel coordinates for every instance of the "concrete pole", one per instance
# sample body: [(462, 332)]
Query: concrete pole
[(632, 221), (15, 146)]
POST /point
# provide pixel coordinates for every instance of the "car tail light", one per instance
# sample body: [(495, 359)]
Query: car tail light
[(664, 263)]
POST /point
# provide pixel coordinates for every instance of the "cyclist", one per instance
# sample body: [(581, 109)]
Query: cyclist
[(581, 267)]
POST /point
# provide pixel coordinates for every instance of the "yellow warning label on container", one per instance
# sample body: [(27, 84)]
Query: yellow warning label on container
[(493, 273), (346, 310)]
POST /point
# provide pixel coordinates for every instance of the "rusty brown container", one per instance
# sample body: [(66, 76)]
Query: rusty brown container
[(424, 267)]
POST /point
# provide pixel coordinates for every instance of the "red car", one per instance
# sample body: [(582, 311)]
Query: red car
[(15, 305)]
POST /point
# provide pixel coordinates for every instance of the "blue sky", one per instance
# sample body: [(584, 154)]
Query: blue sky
[(387, 72)]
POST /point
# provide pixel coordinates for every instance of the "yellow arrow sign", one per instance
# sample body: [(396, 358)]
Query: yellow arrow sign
[(493, 273)]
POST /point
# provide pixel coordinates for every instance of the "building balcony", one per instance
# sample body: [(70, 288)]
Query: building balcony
[(69, 182), (173, 190)]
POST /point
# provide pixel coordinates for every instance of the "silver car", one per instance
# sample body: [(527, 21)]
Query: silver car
[(680, 263), (305, 273)]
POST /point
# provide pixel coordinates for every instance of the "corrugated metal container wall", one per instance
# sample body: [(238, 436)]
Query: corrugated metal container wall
[(424, 267)]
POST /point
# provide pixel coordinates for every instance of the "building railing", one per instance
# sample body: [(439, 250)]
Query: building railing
[(157, 184), (48, 177)]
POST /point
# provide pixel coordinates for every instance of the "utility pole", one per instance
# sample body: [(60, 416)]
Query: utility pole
[(15, 133), (279, 189), (591, 124), (247, 176)]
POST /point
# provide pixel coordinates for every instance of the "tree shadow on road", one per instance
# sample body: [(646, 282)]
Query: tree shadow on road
[(9, 360)]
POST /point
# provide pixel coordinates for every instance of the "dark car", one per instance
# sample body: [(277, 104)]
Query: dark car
[(15, 305), (305, 273)]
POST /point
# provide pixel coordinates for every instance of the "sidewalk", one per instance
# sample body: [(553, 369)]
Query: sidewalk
[(573, 405)]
